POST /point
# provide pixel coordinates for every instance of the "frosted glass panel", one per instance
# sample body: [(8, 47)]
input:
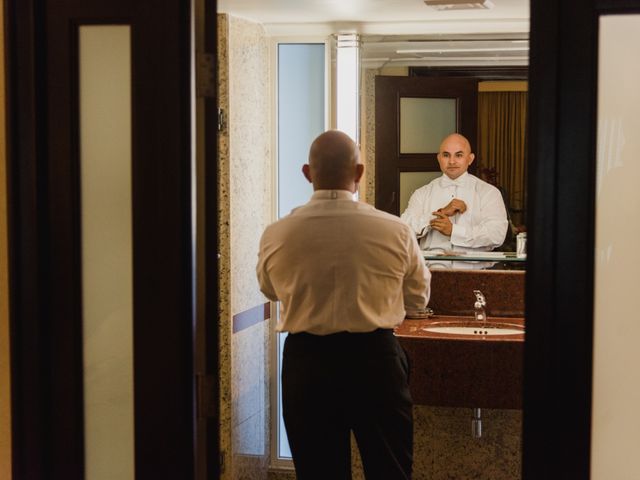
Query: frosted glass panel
[(424, 122), (301, 107), (616, 381), (410, 181), (105, 165)]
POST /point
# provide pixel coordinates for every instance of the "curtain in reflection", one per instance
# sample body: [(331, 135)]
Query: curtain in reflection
[(501, 146)]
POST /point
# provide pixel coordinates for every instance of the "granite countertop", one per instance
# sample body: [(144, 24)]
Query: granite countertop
[(414, 329)]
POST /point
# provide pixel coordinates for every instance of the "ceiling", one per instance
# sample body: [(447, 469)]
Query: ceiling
[(401, 32)]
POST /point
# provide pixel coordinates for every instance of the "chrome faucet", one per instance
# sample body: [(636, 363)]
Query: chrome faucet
[(479, 305)]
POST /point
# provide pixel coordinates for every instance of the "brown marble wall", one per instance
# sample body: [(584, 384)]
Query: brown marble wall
[(452, 292)]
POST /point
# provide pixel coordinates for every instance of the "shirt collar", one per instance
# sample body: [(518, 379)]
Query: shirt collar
[(332, 195), (458, 182)]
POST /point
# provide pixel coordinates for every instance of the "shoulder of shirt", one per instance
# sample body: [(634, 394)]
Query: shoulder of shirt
[(479, 183), (292, 213), (426, 188), (281, 220), (363, 208)]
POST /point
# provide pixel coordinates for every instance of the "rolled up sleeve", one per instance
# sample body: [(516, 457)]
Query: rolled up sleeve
[(262, 272), (417, 281)]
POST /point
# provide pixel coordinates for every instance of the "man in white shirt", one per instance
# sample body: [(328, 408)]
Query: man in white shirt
[(345, 275), (457, 212)]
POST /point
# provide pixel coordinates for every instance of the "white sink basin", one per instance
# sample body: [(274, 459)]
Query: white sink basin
[(458, 328)]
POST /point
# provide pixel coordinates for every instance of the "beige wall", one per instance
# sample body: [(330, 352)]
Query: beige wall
[(246, 203), (616, 356), (5, 398)]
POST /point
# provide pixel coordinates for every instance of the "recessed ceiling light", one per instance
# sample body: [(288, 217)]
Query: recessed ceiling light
[(459, 4), (471, 49)]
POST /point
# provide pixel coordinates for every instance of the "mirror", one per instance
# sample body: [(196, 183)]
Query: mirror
[(496, 68)]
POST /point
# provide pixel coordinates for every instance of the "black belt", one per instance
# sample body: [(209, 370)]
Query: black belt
[(377, 331)]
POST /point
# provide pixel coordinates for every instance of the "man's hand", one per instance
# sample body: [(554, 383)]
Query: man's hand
[(442, 223), (454, 206)]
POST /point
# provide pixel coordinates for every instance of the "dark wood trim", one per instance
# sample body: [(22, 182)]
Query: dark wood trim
[(419, 163), (47, 416), (559, 293), (251, 317), (540, 292), (26, 181), (64, 283), (44, 235), (164, 390), (610, 7), (209, 462), (479, 73)]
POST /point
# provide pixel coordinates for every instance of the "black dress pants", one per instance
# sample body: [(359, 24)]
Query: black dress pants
[(335, 384)]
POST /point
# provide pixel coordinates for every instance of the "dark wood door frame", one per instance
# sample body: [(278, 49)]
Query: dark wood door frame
[(44, 243), (560, 264), (479, 73), (209, 461), (389, 160)]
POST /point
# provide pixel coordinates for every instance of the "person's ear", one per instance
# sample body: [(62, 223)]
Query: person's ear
[(472, 157), (306, 171), (359, 172)]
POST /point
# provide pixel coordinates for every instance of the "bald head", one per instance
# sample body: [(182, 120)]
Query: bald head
[(333, 162), (457, 139), (455, 155)]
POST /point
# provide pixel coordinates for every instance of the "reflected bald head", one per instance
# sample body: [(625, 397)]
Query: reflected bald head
[(454, 155), (334, 162), (456, 139)]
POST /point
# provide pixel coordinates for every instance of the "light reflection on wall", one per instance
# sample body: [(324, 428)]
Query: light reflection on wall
[(347, 85), (616, 384)]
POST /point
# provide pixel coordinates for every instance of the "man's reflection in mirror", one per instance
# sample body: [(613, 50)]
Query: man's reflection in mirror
[(458, 212)]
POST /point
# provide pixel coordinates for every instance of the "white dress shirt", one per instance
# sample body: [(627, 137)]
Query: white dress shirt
[(338, 265), (482, 227)]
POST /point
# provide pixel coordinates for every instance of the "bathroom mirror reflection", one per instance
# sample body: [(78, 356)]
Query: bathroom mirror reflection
[(416, 90)]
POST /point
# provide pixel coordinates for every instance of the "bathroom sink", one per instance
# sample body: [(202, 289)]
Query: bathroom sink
[(475, 329)]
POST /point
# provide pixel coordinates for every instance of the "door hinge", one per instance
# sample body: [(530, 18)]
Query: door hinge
[(207, 398), (221, 120), (205, 76)]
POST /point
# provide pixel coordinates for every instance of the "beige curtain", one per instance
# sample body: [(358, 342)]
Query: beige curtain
[(502, 145)]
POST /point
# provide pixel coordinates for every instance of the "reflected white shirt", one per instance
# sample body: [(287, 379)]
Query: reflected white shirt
[(482, 227), (337, 265)]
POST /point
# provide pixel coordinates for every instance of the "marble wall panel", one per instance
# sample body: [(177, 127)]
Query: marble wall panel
[(368, 127), (250, 199), (250, 155), (224, 248)]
